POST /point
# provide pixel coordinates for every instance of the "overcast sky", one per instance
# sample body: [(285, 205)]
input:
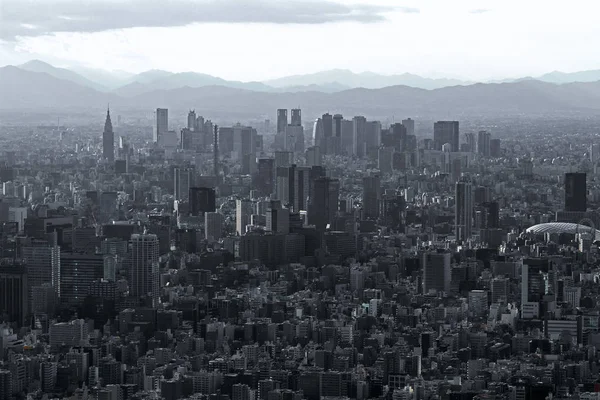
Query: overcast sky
[(262, 39)]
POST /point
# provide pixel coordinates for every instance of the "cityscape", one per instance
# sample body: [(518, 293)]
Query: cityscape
[(324, 235)]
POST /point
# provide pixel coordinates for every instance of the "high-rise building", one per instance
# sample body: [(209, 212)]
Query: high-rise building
[(293, 140), (108, 140), (359, 128), (77, 272), (471, 142), (202, 200), (282, 120), (278, 218), (463, 210), (483, 143), (495, 149), (371, 196), (293, 186), (182, 181), (446, 132), (162, 123), (144, 272), (437, 270), (191, 120), (296, 119), (243, 211), (43, 267), (213, 226), (372, 135), (500, 290), (265, 176), (478, 303), (13, 292), (576, 191), (409, 124), (324, 202), (313, 156), (594, 153)]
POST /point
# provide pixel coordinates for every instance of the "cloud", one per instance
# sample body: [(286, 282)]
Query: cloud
[(479, 11), (40, 17)]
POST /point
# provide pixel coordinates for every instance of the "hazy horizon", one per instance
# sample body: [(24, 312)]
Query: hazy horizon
[(258, 40)]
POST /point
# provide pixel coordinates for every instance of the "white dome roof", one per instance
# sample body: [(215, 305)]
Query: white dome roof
[(560, 227)]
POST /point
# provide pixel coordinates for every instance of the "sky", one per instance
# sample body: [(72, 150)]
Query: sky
[(263, 39)]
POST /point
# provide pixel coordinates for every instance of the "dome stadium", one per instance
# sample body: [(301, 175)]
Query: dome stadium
[(561, 227)]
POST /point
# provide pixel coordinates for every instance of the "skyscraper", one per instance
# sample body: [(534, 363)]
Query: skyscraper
[(202, 200), (108, 139), (13, 292), (213, 226), (43, 267), (410, 126), (182, 181), (77, 272), (282, 120), (463, 210), (191, 120), (359, 128), (296, 119), (446, 132), (371, 196), (162, 123), (144, 272), (243, 210), (323, 202), (437, 270), (483, 143), (575, 191)]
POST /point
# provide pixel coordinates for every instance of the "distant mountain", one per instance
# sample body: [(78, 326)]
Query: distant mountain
[(568, 77), (60, 73), (108, 79), (148, 76), (367, 80), (22, 89)]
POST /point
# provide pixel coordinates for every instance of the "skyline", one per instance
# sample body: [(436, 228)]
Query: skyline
[(374, 37)]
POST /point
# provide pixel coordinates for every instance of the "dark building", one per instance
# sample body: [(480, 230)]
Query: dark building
[(77, 272), (108, 140), (575, 191), (265, 176), (202, 200), (13, 292), (446, 132), (323, 204)]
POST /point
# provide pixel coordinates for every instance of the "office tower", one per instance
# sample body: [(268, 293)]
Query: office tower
[(48, 371), (265, 176), (492, 214), (182, 180), (243, 211), (500, 290), (278, 218), (385, 158), (471, 142), (576, 191), (495, 149), (296, 119), (77, 272), (371, 196), (478, 303), (463, 210), (213, 226), (337, 125), (324, 202), (313, 156), (43, 267), (108, 140), (327, 125), (244, 141), (293, 186), (191, 120), (437, 270), (13, 292), (282, 120), (144, 272), (395, 137), (283, 159), (358, 136), (216, 151), (483, 143), (202, 200), (446, 132), (533, 289), (372, 135), (162, 123), (293, 140), (317, 134), (409, 124)]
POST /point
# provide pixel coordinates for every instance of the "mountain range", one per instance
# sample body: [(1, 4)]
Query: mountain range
[(335, 80), (37, 85)]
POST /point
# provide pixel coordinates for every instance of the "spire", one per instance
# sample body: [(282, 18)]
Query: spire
[(108, 122)]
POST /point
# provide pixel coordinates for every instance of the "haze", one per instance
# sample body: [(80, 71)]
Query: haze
[(265, 39)]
